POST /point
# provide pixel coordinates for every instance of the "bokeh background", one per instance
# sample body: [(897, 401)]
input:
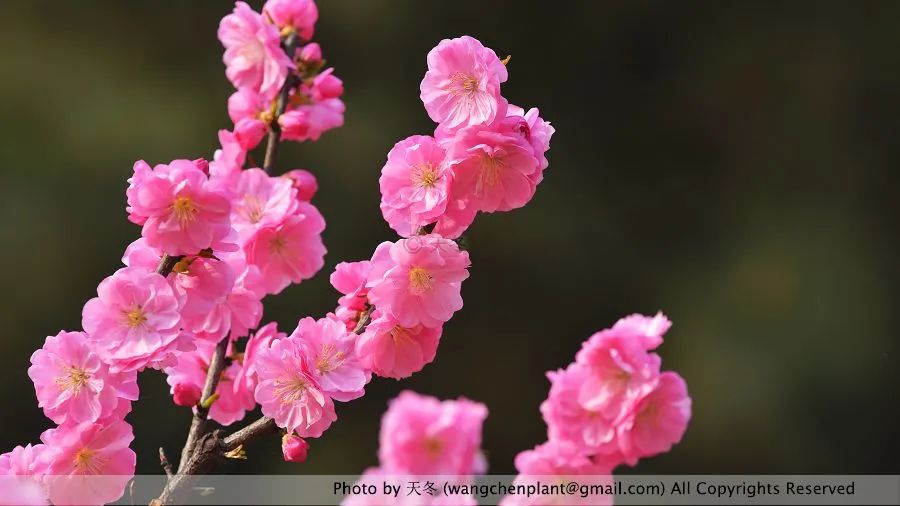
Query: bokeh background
[(734, 165)]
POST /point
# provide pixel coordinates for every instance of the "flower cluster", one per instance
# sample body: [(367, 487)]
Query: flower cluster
[(485, 155), (215, 240), (612, 406), (257, 66), (422, 436)]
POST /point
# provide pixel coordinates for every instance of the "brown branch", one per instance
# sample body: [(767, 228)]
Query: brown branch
[(164, 462), (166, 264), (255, 430), (290, 82)]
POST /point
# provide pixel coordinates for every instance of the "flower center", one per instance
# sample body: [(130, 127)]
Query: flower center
[(87, 461), (73, 379), (491, 167), (433, 446), (253, 206), (465, 85), (424, 175), (135, 317), (400, 335), (184, 209), (419, 280), (329, 359), (290, 390), (278, 244)]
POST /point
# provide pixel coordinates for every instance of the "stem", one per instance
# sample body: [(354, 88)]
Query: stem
[(203, 450), (290, 46)]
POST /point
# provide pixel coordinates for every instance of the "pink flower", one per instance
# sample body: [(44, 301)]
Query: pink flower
[(537, 132), (251, 114), (311, 53), (494, 169), (304, 182), (21, 474), (290, 251), (227, 162), (571, 425), (201, 285), (179, 208), (393, 351), (555, 462), (460, 213), (134, 322), (189, 375), (658, 421), (257, 343), (349, 278), (620, 368), (293, 448), (556, 459), (73, 385), (421, 435), (260, 200), (253, 55), (242, 308), (330, 353), (89, 463), (301, 15), (310, 121), (289, 393), (415, 184), (462, 85), (417, 281)]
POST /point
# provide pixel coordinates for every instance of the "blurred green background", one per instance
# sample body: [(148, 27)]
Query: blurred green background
[(731, 164)]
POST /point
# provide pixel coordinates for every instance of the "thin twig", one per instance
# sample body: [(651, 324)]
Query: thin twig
[(164, 462), (198, 423), (292, 80)]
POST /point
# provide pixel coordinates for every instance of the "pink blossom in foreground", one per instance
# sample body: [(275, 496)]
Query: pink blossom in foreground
[(330, 353), (189, 374), (658, 421), (620, 368), (304, 182), (462, 85), (180, 210), (571, 425), (256, 344), (538, 133), (558, 463), (134, 321), (227, 162), (494, 169), (290, 251), (73, 385), (260, 200), (307, 122), (393, 351), (288, 391), (201, 285), (459, 214), (251, 113), (422, 435), (300, 15), (21, 476), (350, 278), (89, 463), (242, 309), (415, 184), (417, 281), (293, 448), (253, 54)]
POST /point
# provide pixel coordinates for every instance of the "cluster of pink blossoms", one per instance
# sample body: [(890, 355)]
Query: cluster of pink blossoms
[(422, 438), (230, 237), (612, 406), (486, 154)]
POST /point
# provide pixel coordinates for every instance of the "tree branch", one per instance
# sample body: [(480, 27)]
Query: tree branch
[(291, 81)]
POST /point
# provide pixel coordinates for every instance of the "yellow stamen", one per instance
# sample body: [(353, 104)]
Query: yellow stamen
[(419, 280), (290, 390), (277, 243), (400, 335), (87, 461), (184, 209), (433, 446), (465, 85), (254, 208), (491, 167), (424, 175), (73, 380), (135, 317), (329, 360)]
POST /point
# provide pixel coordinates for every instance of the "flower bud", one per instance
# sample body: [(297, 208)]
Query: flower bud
[(294, 448), (305, 183), (185, 394), (311, 53)]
